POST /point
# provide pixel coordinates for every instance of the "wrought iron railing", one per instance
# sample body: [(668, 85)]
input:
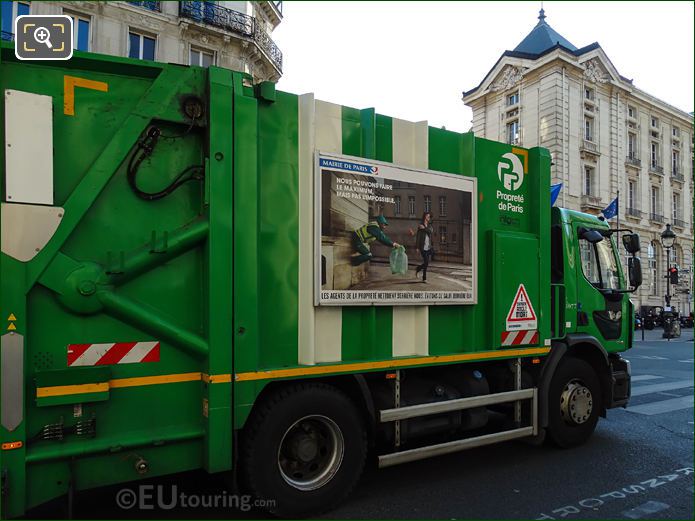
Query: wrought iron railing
[(632, 159), (657, 169), (219, 16), (268, 46), (633, 212), (278, 5), (677, 176), (235, 22), (656, 217), (149, 5), (679, 223), (7, 36)]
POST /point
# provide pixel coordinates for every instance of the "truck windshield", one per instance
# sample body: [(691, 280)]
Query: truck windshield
[(598, 264)]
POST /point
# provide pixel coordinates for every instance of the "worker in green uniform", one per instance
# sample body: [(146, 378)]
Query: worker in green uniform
[(370, 232)]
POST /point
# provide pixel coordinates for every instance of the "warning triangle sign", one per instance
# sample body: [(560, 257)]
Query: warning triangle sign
[(521, 314)]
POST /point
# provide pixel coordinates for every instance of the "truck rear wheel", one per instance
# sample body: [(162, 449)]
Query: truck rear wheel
[(574, 402), (303, 449)]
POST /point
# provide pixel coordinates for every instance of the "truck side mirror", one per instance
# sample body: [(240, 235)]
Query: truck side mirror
[(631, 243), (634, 271), (593, 236)]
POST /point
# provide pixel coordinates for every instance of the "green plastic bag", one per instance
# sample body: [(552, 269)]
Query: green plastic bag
[(398, 261)]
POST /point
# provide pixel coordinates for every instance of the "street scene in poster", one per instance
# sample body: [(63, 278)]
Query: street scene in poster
[(394, 235)]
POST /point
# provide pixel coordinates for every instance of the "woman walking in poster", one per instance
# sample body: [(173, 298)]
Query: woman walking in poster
[(423, 244)]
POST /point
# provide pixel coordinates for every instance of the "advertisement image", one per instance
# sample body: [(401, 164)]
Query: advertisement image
[(393, 235)]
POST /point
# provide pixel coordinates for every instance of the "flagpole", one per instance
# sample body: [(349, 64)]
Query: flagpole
[(617, 209)]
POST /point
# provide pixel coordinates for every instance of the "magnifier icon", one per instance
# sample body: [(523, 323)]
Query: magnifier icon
[(42, 35)]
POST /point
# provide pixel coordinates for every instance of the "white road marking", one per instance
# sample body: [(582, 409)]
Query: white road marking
[(642, 377), (687, 361), (663, 406), (649, 357), (650, 507), (641, 390)]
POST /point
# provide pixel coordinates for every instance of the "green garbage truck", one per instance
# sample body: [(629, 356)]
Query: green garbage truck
[(180, 291)]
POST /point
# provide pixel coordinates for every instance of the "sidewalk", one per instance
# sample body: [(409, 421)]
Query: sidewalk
[(655, 335)]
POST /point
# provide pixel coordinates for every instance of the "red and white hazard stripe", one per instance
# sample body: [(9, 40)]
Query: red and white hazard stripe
[(517, 338), (106, 354)]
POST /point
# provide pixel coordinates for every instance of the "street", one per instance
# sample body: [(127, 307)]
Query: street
[(638, 464)]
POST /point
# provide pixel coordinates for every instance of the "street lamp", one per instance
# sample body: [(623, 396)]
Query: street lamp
[(667, 240)]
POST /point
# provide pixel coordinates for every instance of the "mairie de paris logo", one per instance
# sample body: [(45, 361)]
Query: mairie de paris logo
[(510, 171)]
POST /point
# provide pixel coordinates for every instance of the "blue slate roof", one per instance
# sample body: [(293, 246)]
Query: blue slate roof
[(541, 38)]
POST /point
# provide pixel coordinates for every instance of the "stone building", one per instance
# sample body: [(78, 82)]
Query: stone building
[(231, 34), (606, 137)]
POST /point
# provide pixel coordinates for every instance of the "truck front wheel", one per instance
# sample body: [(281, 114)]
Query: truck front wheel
[(574, 401), (303, 449)]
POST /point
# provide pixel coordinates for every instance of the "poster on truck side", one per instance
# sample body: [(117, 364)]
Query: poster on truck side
[(391, 235)]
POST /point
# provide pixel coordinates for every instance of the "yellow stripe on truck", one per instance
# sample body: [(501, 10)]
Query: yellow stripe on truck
[(387, 364)]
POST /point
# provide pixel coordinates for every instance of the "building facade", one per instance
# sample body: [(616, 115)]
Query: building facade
[(231, 34), (607, 138)]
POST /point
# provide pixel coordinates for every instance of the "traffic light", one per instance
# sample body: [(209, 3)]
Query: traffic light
[(673, 275)]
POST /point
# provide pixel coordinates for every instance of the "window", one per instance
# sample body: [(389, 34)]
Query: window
[(655, 122), (653, 282), (589, 179), (676, 132), (654, 156), (513, 132), (589, 93), (599, 264), (428, 203), (655, 206), (631, 194), (442, 234), (81, 37), (10, 11), (411, 205), (201, 58), (589, 129), (675, 161), (141, 46), (676, 206), (453, 238), (442, 206), (397, 200), (513, 99), (631, 112), (632, 145)]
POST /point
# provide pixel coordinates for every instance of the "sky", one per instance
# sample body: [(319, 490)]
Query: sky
[(412, 60)]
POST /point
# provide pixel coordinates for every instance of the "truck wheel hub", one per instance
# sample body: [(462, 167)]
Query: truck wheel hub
[(311, 452), (576, 403)]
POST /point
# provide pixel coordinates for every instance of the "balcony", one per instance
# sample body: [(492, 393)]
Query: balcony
[(591, 202), (680, 224), (632, 160), (677, 176), (150, 6), (656, 169), (235, 22), (656, 217), (590, 147), (633, 212), (5, 36)]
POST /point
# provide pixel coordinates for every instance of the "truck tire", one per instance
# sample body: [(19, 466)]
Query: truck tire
[(574, 403), (303, 450)]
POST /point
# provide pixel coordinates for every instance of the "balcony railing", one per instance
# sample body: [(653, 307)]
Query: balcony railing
[(278, 5), (233, 21), (589, 146), (656, 217), (7, 36), (632, 160), (677, 176), (657, 169), (633, 212), (151, 6), (679, 223), (591, 201)]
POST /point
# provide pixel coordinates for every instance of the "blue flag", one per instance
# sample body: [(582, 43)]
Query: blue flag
[(611, 210), (554, 193)]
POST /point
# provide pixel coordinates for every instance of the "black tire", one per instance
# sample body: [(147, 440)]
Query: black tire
[(574, 382), (276, 434)]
